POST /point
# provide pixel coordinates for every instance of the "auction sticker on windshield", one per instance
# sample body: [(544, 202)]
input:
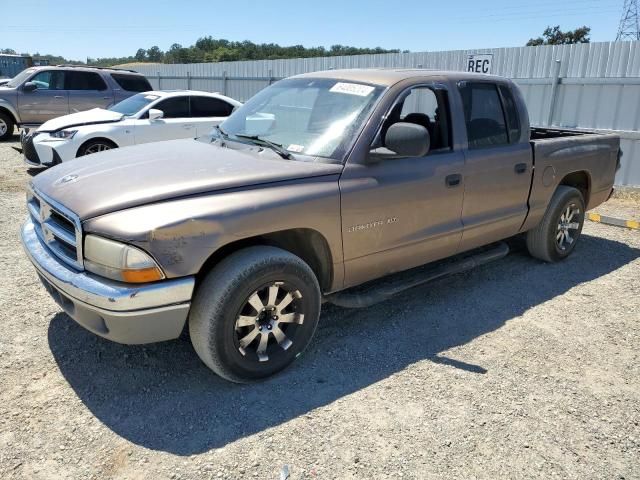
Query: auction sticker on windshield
[(352, 89)]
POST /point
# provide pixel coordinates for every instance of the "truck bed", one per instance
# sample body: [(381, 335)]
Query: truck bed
[(585, 159)]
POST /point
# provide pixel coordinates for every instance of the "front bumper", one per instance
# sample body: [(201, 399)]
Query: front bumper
[(124, 313), (39, 154)]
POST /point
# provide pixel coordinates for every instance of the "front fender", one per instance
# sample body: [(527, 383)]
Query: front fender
[(8, 106), (182, 234)]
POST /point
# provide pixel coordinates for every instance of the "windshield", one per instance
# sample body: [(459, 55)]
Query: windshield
[(134, 104), (20, 78), (317, 117)]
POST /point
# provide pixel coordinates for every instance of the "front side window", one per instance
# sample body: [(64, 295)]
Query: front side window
[(318, 117), (483, 114), (426, 107), (176, 107), (49, 80), (84, 81)]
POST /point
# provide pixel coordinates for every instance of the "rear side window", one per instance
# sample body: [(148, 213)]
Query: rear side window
[(132, 83), (84, 81), (510, 110), (210, 107), (483, 114), (177, 107)]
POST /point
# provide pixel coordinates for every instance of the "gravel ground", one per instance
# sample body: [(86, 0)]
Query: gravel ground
[(518, 369)]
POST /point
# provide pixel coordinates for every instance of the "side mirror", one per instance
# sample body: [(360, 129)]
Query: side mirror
[(155, 114), (407, 139), (29, 87)]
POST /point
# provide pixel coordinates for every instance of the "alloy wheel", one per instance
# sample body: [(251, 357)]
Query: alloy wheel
[(268, 320)]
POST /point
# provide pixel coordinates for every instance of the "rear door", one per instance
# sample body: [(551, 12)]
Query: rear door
[(398, 213), (207, 112), (498, 165), (176, 122), (87, 90), (49, 100)]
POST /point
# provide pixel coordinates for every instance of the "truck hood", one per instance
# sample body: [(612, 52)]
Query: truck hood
[(89, 117), (122, 178)]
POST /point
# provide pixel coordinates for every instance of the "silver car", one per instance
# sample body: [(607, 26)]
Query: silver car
[(39, 94)]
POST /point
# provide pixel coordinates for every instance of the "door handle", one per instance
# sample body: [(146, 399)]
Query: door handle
[(58, 97), (106, 98), (188, 127), (520, 168), (453, 180)]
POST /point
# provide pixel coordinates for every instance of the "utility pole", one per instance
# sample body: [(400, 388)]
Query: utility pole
[(629, 28)]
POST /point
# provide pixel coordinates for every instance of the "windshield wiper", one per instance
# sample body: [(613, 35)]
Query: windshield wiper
[(276, 147), (221, 131)]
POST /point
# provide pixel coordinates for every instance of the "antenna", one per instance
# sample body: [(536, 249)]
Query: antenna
[(629, 28)]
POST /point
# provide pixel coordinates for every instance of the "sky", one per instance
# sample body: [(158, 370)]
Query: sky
[(113, 28)]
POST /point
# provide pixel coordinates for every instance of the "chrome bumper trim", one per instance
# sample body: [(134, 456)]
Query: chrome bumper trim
[(100, 292)]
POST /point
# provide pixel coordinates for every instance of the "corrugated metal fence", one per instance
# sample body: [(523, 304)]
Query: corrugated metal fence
[(595, 86)]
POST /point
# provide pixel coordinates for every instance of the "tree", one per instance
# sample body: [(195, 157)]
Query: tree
[(8, 51), (555, 36), (141, 55), (154, 54)]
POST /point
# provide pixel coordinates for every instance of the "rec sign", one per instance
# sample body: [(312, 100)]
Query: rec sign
[(480, 63)]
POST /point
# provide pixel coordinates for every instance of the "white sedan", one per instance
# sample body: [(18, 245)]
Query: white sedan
[(142, 118)]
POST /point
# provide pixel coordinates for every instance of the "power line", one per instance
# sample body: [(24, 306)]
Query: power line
[(629, 28)]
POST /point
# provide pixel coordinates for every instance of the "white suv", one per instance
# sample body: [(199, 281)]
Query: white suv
[(146, 117)]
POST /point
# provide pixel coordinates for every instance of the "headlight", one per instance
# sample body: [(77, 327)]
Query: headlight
[(64, 134), (119, 261)]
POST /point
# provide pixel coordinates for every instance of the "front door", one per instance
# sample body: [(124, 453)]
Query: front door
[(403, 212), (175, 123), (498, 165), (49, 100)]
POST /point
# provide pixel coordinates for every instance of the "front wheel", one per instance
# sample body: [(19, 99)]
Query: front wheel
[(6, 126), (95, 146), (254, 313), (557, 234)]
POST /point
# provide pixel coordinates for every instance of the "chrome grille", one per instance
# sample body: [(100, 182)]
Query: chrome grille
[(57, 227)]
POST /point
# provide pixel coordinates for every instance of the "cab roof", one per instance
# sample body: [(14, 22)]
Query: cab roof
[(390, 76)]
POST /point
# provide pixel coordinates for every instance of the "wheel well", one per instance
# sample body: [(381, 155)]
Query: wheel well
[(306, 243), (581, 181), (93, 140), (8, 112)]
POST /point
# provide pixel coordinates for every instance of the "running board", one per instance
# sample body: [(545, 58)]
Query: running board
[(380, 290)]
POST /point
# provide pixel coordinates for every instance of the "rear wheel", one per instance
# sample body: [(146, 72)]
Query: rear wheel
[(254, 313), (6, 126), (95, 146), (557, 234)]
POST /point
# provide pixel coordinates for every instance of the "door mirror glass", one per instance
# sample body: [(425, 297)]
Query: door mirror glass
[(155, 114), (407, 139), (30, 86)]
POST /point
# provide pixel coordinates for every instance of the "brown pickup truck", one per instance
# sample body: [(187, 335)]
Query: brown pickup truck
[(317, 185)]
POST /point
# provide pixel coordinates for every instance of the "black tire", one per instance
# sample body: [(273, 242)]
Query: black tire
[(98, 144), (6, 121), (223, 301), (543, 242)]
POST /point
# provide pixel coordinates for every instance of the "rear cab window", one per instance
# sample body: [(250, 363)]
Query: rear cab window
[(132, 83), (484, 115)]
